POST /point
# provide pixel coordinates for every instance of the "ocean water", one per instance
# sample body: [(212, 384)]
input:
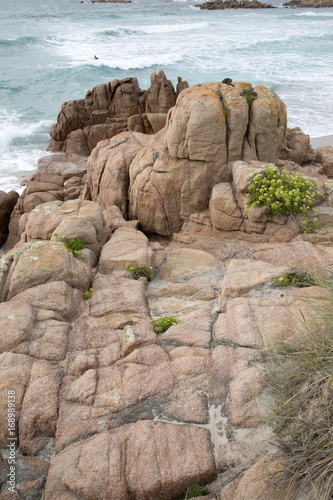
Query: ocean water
[(47, 53)]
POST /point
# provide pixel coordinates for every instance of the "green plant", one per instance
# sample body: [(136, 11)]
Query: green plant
[(87, 293), (284, 193), (163, 323), (310, 225), (300, 402), (296, 277), (227, 81), (139, 271), (250, 95), (195, 490), (73, 245)]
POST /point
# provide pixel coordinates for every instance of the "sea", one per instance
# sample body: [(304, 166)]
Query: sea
[(47, 50)]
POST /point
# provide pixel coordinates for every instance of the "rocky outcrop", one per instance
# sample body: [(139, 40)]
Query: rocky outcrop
[(109, 109), (7, 204), (99, 395), (111, 1), (325, 156), (59, 177), (309, 3), (230, 218), (105, 407), (162, 179), (297, 148), (235, 4)]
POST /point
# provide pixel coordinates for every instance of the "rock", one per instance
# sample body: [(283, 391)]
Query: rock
[(259, 321), (56, 296), (39, 412), (234, 4), (186, 262), (64, 165), (243, 275), (108, 167), (7, 204), (116, 298), (309, 3), (187, 335), (223, 209), (126, 246), (111, 1), (236, 410), (265, 478), (42, 188), (14, 376), (71, 219), (296, 254), (297, 147), (169, 457), (31, 474), (16, 323), (171, 175), (161, 96), (114, 219), (105, 112), (325, 156), (41, 262)]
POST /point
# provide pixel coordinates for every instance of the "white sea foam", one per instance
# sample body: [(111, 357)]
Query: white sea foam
[(170, 28), (310, 13), (18, 153), (12, 127)]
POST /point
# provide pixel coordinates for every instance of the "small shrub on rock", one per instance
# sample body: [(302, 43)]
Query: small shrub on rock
[(73, 245), (163, 323), (284, 193), (296, 277), (87, 293), (250, 95), (140, 271)]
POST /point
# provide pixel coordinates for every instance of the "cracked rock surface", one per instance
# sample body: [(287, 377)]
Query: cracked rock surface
[(105, 408)]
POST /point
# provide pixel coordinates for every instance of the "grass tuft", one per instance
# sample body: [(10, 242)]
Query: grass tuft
[(300, 403)]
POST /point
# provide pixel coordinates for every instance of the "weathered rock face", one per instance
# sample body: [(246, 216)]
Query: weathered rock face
[(170, 176), (229, 218), (59, 177), (7, 204), (325, 156), (297, 147), (71, 219), (104, 406), (105, 112)]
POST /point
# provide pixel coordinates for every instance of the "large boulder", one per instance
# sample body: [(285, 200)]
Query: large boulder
[(168, 456), (171, 175), (41, 262)]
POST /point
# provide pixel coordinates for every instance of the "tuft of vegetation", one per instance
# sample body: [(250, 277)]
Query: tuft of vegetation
[(163, 323), (300, 403), (73, 245), (297, 277), (250, 95), (195, 490), (87, 293), (139, 271), (284, 193), (228, 81)]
